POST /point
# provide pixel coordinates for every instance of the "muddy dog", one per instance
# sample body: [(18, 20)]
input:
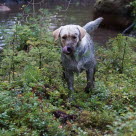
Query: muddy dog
[(77, 51)]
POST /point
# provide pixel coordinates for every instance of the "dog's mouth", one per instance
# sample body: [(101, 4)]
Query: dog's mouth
[(67, 50)]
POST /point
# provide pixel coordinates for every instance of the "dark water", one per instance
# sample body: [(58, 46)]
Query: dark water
[(75, 13)]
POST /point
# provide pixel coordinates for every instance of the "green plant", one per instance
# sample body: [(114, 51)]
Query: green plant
[(119, 55), (133, 5), (125, 123), (24, 114), (31, 87)]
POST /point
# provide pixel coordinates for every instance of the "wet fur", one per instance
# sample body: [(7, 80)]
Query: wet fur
[(82, 59), (83, 55)]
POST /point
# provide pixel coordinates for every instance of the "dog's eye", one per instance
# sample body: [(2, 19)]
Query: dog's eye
[(74, 37), (64, 37)]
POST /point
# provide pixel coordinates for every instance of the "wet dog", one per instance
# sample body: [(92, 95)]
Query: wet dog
[(77, 51)]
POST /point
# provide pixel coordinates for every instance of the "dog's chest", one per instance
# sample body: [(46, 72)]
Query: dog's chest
[(71, 64)]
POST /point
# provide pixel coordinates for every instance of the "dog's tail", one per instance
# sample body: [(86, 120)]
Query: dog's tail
[(91, 26)]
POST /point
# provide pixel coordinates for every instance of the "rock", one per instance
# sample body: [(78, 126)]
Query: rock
[(116, 13), (2, 44), (119, 7), (133, 33), (4, 8), (1, 49)]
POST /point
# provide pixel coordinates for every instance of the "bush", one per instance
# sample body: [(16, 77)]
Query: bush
[(125, 124), (25, 114), (32, 88)]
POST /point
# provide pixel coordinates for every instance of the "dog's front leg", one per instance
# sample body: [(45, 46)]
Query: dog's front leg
[(90, 80), (69, 75)]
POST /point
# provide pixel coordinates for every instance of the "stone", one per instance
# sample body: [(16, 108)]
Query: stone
[(120, 7), (4, 8), (1, 49), (116, 13)]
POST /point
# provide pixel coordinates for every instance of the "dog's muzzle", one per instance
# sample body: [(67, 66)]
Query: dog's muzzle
[(67, 50)]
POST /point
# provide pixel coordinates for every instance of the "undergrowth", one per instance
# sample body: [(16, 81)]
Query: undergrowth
[(35, 100)]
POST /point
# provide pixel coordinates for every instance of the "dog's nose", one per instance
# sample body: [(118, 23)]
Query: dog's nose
[(67, 50)]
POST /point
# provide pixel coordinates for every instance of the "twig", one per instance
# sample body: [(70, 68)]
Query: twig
[(36, 3), (128, 29), (67, 6)]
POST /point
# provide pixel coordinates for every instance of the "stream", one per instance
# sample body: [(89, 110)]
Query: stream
[(74, 13)]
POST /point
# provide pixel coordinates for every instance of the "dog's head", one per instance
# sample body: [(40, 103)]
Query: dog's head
[(70, 36)]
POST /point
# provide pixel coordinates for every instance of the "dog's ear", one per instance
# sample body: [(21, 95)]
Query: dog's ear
[(56, 33), (82, 31)]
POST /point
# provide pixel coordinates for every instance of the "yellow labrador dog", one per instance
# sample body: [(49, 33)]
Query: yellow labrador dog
[(77, 51)]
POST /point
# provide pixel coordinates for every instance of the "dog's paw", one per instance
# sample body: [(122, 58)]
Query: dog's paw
[(88, 89), (71, 99)]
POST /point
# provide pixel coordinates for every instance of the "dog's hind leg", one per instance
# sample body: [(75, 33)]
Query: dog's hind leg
[(90, 80)]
